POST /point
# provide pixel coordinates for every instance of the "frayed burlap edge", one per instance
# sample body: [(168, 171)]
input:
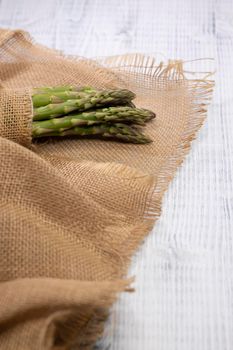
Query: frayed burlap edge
[(200, 89)]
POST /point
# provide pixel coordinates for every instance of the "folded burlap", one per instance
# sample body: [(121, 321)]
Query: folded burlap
[(73, 211)]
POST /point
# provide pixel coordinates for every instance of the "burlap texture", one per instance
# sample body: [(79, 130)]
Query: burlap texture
[(73, 211)]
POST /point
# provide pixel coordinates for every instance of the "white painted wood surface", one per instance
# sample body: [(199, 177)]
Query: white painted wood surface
[(184, 270)]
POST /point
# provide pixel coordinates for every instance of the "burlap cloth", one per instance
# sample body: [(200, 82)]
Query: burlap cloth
[(74, 211)]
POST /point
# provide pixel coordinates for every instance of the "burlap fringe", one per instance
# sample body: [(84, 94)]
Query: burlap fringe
[(92, 331), (200, 89)]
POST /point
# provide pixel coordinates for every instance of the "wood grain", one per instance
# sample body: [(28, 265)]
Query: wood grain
[(184, 283)]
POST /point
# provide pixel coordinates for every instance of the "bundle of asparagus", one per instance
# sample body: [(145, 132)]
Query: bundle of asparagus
[(68, 110)]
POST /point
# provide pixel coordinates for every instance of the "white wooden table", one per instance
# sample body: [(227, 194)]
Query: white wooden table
[(184, 270)]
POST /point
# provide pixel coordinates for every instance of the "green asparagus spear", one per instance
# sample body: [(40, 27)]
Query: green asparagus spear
[(97, 99), (118, 131), (110, 114), (40, 100), (43, 99)]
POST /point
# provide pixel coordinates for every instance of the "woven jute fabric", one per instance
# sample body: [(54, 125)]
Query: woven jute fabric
[(73, 211)]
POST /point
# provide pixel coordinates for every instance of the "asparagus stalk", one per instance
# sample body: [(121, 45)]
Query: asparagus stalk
[(117, 131), (97, 99), (40, 100), (53, 96), (110, 114)]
